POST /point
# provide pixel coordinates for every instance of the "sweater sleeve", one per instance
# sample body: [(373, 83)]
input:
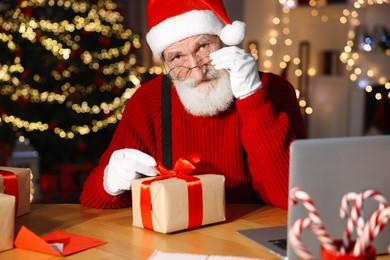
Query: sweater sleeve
[(271, 120), (137, 130)]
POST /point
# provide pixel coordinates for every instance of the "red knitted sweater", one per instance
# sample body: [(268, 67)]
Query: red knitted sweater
[(248, 144)]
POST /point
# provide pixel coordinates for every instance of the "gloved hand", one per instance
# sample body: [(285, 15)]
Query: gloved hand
[(124, 166), (244, 75)]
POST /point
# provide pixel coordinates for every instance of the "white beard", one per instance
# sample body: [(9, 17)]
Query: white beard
[(208, 98)]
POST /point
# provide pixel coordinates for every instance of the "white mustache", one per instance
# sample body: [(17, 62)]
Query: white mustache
[(212, 96)]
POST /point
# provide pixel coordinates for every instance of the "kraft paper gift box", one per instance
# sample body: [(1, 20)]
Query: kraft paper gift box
[(23, 177), (7, 221), (170, 206)]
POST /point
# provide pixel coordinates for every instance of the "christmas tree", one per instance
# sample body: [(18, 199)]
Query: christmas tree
[(67, 68)]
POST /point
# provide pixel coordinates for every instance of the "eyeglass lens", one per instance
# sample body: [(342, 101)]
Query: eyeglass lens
[(182, 72)]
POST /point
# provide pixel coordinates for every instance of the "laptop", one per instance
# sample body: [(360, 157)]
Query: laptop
[(326, 169)]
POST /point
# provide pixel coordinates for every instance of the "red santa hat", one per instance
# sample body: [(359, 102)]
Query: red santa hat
[(170, 21)]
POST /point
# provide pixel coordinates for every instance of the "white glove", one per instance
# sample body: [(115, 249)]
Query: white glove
[(124, 166), (244, 75)]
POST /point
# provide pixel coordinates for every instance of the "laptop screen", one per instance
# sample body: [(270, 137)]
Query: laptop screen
[(327, 169)]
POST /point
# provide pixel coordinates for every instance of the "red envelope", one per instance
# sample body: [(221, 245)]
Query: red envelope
[(72, 243)]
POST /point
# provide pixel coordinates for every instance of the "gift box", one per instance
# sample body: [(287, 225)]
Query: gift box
[(174, 205), (7, 221), (17, 182)]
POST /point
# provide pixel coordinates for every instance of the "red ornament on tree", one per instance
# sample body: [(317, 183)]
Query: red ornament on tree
[(104, 41), (22, 102), (81, 146), (25, 74), (26, 11), (84, 32), (2, 111), (52, 125), (76, 53), (99, 81), (38, 36), (60, 67), (116, 89)]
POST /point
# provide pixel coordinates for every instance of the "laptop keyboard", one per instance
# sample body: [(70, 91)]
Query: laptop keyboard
[(281, 243)]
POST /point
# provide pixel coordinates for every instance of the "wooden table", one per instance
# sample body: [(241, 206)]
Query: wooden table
[(127, 242)]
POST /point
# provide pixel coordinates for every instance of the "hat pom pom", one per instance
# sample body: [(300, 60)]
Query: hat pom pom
[(233, 34)]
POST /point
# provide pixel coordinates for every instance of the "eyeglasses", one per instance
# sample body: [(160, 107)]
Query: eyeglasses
[(182, 72)]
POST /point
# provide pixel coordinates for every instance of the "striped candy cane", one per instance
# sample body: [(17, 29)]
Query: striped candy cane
[(356, 219), (320, 230), (294, 235), (372, 228)]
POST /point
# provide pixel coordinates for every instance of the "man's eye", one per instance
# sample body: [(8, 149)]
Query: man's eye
[(176, 58), (204, 46)]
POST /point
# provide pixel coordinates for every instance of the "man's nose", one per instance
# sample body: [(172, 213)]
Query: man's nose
[(197, 72)]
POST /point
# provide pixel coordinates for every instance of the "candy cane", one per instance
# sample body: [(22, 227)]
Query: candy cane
[(356, 218), (320, 230), (352, 221), (344, 210), (372, 228), (295, 237)]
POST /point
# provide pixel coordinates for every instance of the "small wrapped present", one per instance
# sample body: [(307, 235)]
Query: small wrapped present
[(17, 182), (7, 221), (177, 201)]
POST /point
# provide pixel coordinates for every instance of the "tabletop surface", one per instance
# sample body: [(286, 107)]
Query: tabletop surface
[(125, 241)]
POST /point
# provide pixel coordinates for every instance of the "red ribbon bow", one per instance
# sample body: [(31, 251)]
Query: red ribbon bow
[(11, 186), (183, 168)]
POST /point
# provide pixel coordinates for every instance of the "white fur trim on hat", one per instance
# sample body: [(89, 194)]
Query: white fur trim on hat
[(182, 26), (233, 34)]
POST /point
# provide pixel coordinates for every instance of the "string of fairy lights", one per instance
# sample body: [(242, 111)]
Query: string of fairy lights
[(90, 18), (365, 77), (281, 35)]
